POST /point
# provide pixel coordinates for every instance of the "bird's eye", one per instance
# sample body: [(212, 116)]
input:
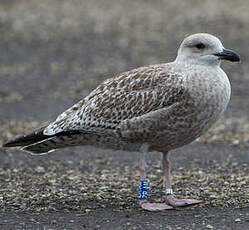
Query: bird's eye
[(200, 46)]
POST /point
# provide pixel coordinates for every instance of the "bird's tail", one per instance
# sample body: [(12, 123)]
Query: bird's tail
[(38, 143)]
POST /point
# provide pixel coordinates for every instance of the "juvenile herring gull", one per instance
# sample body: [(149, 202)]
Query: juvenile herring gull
[(154, 108)]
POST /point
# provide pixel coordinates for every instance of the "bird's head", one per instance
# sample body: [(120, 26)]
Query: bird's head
[(204, 49)]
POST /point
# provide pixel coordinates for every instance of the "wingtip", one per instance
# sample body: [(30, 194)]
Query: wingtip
[(16, 142), (8, 144)]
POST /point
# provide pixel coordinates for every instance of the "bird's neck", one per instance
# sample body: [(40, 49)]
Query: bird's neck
[(193, 61)]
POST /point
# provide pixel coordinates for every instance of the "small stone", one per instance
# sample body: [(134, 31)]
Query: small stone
[(39, 169), (235, 142), (209, 226), (87, 210), (54, 221), (237, 220)]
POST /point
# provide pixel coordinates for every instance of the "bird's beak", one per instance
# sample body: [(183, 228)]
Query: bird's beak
[(229, 55)]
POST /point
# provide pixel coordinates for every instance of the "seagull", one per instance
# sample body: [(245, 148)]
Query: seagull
[(154, 108)]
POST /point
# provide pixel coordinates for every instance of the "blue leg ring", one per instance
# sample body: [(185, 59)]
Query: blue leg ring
[(143, 190)]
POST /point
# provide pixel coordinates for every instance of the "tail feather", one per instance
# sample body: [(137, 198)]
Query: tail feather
[(52, 143), (40, 147)]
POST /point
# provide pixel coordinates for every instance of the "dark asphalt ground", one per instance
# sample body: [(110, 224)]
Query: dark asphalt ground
[(53, 53), (111, 213)]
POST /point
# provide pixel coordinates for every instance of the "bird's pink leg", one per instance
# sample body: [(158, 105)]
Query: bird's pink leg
[(170, 199), (143, 202)]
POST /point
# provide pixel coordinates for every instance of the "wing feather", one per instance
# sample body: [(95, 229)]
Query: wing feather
[(129, 95)]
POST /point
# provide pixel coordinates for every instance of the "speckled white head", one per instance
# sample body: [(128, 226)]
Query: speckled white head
[(204, 49)]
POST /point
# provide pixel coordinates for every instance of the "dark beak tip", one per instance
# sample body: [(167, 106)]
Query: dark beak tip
[(234, 57), (239, 59), (228, 55)]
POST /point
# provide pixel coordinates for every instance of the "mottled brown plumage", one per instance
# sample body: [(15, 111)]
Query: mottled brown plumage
[(159, 107)]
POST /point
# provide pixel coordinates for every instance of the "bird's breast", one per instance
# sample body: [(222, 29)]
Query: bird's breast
[(210, 92)]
